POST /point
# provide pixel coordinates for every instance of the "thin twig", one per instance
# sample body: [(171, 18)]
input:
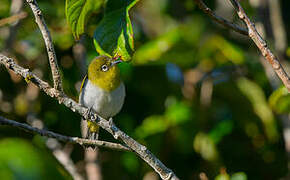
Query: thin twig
[(262, 45), (93, 166), (67, 163), (109, 126), (16, 7), (48, 43), (219, 19), (13, 18), (75, 140), (63, 155)]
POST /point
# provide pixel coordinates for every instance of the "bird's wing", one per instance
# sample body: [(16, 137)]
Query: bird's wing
[(83, 83)]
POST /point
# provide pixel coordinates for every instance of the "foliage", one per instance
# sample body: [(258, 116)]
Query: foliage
[(280, 100), (114, 35), (77, 12), (20, 160)]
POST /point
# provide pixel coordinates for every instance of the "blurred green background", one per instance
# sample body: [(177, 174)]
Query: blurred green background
[(199, 96)]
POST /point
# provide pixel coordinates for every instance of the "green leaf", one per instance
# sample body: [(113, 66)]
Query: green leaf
[(222, 177), (239, 176), (220, 130), (227, 51), (151, 125), (280, 100), (114, 35), (205, 146), (256, 96), (77, 13), (153, 50), (178, 113), (19, 159)]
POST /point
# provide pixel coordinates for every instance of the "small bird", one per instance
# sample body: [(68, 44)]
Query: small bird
[(102, 91)]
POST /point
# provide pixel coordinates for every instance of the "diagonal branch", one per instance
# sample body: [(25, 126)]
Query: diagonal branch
[(262, 45), (219, 19), (109, 126), (74, 140), (48, 43)]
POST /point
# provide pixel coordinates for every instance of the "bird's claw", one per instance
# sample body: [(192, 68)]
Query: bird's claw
[(87, 114)]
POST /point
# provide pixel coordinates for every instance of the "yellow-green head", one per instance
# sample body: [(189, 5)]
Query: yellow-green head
[(104, 73)]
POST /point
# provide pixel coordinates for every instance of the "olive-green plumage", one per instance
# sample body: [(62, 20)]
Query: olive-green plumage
[(107, 80)]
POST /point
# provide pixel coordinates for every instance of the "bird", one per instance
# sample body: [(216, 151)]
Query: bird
[(102, 91)]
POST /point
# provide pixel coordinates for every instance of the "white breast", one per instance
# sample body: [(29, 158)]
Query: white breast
[(107, 104)]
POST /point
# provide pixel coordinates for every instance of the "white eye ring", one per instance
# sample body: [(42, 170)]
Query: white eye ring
[(104, 68)]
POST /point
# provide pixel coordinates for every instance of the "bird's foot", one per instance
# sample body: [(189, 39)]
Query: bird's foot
[(88, 113), (91, 117)]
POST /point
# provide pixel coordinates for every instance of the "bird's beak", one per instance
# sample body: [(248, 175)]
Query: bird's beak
[(113, 63)]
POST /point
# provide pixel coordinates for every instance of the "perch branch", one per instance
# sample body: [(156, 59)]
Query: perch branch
[(262, 45), (219, 19), (74, 140), (13, 18), (109, 126), (48, 43)]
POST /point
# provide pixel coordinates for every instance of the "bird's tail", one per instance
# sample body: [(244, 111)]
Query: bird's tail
[(90, 130)]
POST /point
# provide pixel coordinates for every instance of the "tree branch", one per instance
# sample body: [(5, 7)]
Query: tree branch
[(253, 34), (219, 19), (74, 140), (16, 7), (57, 93), (64, 159), (48, 43), (13, 18), (109, 126), (262, 45)]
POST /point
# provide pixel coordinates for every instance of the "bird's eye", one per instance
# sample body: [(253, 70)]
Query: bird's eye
[(104, 68)]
